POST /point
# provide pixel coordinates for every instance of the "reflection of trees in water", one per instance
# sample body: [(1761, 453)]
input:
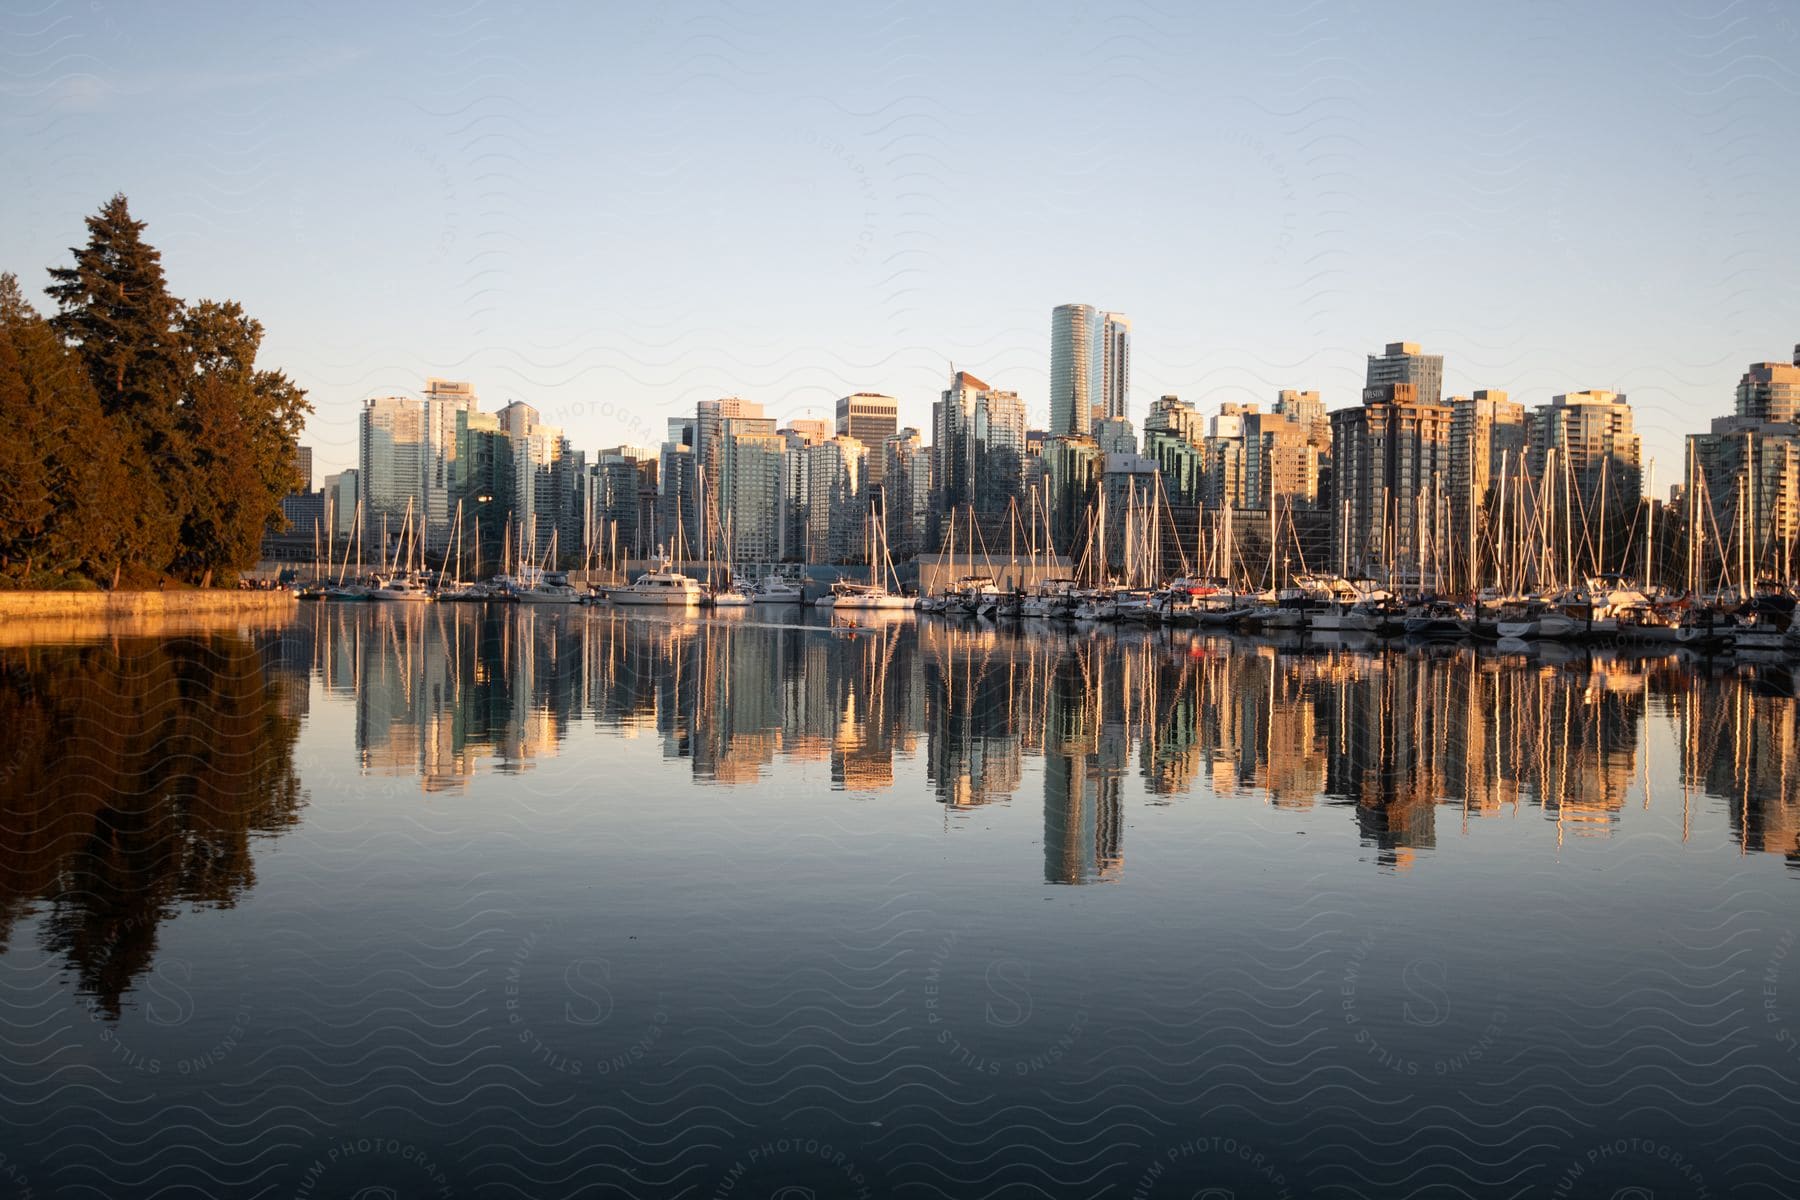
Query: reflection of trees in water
[(135, 775)]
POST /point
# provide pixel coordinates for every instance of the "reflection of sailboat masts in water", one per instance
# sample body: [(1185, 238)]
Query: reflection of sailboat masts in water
[(138, 773), (1393, 737), (1083, 761)]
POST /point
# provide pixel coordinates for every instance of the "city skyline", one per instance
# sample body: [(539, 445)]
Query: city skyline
[(1281, 235), (1408, 484)]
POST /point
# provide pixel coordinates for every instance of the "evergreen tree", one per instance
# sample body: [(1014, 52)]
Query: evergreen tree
[(64, 491), (142, 438), (240, 426), (25, 501), (117, 313)]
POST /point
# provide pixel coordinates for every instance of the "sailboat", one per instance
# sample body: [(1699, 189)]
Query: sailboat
[(874, 594), (542, 586), (404, 586), (345, 589), (734, 594)]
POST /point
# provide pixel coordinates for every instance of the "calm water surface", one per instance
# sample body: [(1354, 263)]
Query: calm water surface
[(528, 903)]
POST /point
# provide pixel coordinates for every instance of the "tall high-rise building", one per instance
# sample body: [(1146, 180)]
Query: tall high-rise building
[(1402, 362), (391, 452), (809, 430), (1743, 482), (484, 492), (746, 502), (1307, 408), (1390, 462), (1224, 457), (676, 517), (1586, 438), (1174, 434), (1488, 437), (977, 447), (303, 468), (1073, 467), (871, 419), (1115, 367), (1090, 367), (609, 497), (1281, 462), (906, 488), (1115, 435), (341, 497), (709, 421), (544, 515), (407, 460), (835, 491), (1770, 392)]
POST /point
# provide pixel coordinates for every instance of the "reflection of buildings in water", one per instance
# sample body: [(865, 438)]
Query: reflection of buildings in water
[(733, 698), (1741, 749), (1394, 736), (441, 691), (1085, 753), (974, 750), (1587, 725)]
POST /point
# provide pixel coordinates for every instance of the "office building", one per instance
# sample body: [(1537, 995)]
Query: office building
[(1280, 462), (1073, 467), (746, 504), (1115, 435), (871, 419), (340, 498), (1390, 463), (1174, 433), (407, 462), (906, 490), (1090, 368), (1586, 440), (1743, 483), (978, 448), (834, 489), (1402, 362), (1488, 438)]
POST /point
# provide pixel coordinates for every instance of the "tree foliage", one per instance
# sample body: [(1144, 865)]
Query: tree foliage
[(143, 441)]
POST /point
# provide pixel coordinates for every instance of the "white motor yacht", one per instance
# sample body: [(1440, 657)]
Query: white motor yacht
[(401, 590), (664, 587)]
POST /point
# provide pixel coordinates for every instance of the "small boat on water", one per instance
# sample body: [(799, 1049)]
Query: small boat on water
[(664, 587), (777, 589), (550, 587), (402, 589), (1438, 621), (973, 596), (848, 596)]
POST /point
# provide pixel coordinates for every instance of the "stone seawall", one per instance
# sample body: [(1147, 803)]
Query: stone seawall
[(34, 616)]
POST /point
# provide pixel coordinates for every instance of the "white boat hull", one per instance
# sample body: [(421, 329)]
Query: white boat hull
[(871, 603)]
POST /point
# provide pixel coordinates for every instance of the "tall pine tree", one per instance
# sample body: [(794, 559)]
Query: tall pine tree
[(150, 442), (115, 310), (65, 510)]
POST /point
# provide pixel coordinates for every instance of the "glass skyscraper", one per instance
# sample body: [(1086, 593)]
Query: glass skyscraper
[(1090, 368)]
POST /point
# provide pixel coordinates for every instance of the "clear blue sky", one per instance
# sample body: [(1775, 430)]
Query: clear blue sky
[(615, 211)]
